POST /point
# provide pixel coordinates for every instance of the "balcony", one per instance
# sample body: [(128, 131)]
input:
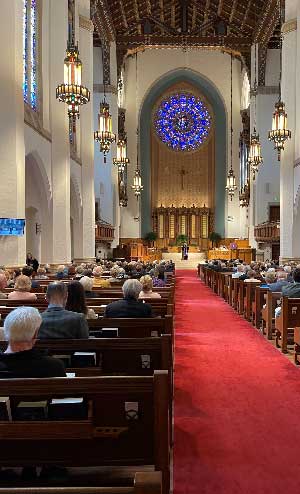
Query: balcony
[(267, 232), (104, 232)]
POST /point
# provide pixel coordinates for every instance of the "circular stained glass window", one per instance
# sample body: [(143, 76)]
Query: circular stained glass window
[(182, 122)]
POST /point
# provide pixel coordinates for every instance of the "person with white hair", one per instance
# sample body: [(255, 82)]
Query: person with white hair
[(130, 305), (281, 282), (88, 284), (21, 359), (22, 289), (239, 271)]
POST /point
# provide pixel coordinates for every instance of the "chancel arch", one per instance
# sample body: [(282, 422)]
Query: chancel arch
[(188, 179)]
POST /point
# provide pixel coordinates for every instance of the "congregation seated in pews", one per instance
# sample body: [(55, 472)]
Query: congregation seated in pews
[(114, 403), (271, 301)]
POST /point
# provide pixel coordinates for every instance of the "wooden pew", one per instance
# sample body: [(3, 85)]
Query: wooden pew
[(249, 296), (268, 313), (257, 305), (143, 483), (135, 327), (112, 435), (286, 322)]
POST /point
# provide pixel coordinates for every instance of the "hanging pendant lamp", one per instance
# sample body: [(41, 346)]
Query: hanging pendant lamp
[(137, 179), (279, 133), (231, 180), (255, 158), (121, 161)]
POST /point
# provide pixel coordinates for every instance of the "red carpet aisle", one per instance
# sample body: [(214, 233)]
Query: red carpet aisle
[(237, 402)]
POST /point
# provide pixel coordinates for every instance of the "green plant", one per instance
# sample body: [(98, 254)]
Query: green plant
[(181, 239), (215, 238), (150, 237)]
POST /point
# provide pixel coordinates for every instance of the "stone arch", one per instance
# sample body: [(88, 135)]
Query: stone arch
[(38, 201), (212, 93)]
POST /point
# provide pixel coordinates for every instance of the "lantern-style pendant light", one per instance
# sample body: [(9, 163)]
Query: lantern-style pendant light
[(104, 135), (72, 92), (121, 161), (137, 183), (255, 158), (137, 179), (231, 181), (279, 133)]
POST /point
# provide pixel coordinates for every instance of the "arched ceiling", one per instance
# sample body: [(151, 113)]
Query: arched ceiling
[(227, 24)]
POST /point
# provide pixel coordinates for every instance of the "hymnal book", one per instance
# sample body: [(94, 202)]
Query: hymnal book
[(5, 410), (84, 359), (70, 374), (31, 410), (68, 409), (66, 359), (110, 332)]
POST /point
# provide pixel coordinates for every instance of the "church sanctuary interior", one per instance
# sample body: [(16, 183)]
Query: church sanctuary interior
[(149, 247)]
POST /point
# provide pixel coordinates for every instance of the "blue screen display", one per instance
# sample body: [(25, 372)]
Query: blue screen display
[(12, 226)]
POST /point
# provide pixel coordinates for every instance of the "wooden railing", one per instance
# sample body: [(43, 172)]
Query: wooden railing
[(104, 232), (267, 232)]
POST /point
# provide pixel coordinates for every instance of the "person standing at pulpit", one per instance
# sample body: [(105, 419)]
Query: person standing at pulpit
[(185, 251)]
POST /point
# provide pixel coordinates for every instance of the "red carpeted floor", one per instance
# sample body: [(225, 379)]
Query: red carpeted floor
[(237, 402)]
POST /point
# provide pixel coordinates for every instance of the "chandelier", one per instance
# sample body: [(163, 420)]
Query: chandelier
[(231, 181), (71, 91), (121, 161), (255, 158), (137, 183), (104, 135), (137, 179), (279, 133)]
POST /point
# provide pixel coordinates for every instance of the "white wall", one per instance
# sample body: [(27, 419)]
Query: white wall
[(154, 64)]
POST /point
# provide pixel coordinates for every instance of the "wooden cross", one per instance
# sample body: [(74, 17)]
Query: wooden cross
[(182, 173)]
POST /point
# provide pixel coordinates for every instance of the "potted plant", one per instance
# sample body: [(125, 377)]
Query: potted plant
[(215, 238), (150, 237)]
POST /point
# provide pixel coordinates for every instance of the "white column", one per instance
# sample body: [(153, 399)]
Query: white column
[(60, 136), (12, 151), (289, 63), (87, 142)]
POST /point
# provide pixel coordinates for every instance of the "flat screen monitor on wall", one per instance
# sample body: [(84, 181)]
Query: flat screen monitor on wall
[(12, 226)]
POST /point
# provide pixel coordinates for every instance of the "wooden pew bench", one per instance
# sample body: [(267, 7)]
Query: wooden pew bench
[(257, 305), (135, 327), (143, 483), (249, 297), (286, 322), (127, 424), (268, 313)]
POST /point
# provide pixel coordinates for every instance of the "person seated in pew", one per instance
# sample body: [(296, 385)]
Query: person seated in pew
[(280, 282), (41, 274), (57, 322), (130, 306), (88, 284), (251, 277), (21, 359), (292, 290), (3, 285), (22, 289), (98, 281), (268, 279), (76, 301), (28, 271), (147, 285), (62, 272), (239, 271), (114, 275)]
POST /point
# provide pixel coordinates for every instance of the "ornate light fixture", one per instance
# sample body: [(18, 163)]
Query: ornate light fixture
[(231, 181), (137, 179), (71, 91), (121, 161), (245, 195), (104, 135), (255, 158), (279, 133)]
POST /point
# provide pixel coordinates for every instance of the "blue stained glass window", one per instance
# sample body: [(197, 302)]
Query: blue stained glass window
[(30, 51), (182, 122)]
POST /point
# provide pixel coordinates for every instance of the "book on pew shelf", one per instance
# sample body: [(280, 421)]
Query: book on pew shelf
[(110, 332), (84, 359), (68, 409), (66, 359), (32, 410), (70, 374), (5, 410)]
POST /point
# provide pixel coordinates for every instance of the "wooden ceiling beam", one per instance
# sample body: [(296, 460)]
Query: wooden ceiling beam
[(238, 43), (249, 5), (233, 10), (267, 23), (103, 21), (220, 7)]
